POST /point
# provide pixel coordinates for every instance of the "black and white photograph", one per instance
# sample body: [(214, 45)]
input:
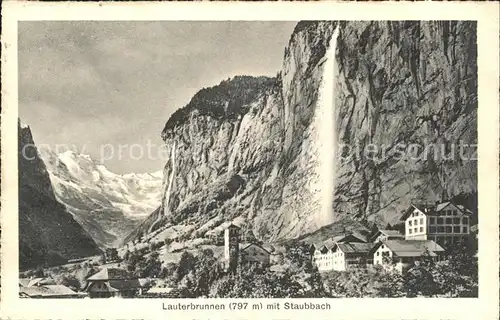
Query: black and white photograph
[(248, 159)]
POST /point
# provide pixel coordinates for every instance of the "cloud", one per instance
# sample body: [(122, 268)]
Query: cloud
[(95, 81)]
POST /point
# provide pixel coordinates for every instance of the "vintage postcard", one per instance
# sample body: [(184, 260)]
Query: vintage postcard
[(244, 160)]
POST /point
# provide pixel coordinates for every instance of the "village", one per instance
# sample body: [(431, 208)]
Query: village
[(428, 231)]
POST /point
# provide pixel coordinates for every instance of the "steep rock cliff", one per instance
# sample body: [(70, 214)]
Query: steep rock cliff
[(274, 152), (48, 234)]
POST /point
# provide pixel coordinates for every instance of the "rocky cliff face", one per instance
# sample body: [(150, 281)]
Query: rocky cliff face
[(274, 152), (48, 234), (107, 205)]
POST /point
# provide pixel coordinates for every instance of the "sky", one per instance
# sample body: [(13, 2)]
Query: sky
[(107, 88)]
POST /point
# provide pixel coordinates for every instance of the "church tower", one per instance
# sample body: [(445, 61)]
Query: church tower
[(231, 247)]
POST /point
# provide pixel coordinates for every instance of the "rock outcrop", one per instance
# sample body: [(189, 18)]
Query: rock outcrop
[(274, 152), (48, 234)]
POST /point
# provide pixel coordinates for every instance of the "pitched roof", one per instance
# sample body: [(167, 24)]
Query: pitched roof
[(111, 274), (341, 238), (246, 246), (48, 291), (124, 284), (40, 281), (345, 236), (34, 282), (410, 247), (23, 282), (433, 209), (355, 247), (389, 233)]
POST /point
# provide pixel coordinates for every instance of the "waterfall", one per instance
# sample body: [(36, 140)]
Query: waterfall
[(171, 178), (327, 132), (168, 190)]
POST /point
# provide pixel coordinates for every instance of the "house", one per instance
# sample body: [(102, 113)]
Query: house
[(323, 258), (255, 253), (49, 291), (444, 222), (342, 256), (113, 282), (350, 255), (384, 235), (402, 254)]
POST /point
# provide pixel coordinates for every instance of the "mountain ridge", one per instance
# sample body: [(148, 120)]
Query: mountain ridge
[(107, 205), (48, 234)]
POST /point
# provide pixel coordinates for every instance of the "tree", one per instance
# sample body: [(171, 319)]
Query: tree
[(186, 264), (39, 273), (207, 270), (111, 254), (150, 267), (102, 259), (297, 255)]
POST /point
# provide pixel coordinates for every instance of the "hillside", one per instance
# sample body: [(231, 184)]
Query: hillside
[(48, 234), (341, 133)]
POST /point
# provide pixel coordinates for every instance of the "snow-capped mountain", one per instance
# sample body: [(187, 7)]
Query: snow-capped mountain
[(48, 233), (107, 205)]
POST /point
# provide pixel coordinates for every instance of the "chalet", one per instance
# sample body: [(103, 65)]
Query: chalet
[(113, 282), (343, 256), (323, 253), (255, 253), (384, 235), (49, 291), (402, 254), (351, 255), (323, 257), (444, 222)]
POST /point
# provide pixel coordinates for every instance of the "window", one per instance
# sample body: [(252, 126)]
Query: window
[(465, 220), (440, 220), (409, 231), (456, 220), (448, 229), (378, 253), (432, 229), (416, 221), (415, 230), (455, 213), (440, 229), (409, 223), (432, 220), (449, 220), (456, 229), (464, 230), (421, 220), (421, 229)]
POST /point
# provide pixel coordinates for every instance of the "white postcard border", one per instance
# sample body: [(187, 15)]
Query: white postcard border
[(484, 307)]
